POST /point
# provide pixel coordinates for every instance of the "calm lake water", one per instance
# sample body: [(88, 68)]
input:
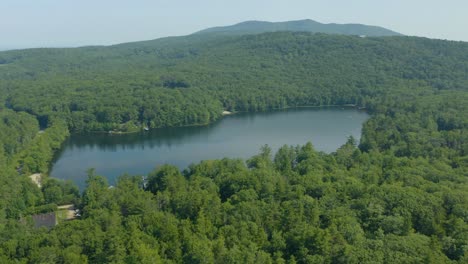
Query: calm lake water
[(235, 136)]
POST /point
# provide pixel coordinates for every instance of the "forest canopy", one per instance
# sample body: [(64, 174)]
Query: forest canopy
[(397, 196)]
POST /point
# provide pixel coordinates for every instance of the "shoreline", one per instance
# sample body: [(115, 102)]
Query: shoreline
[(223, 114), (304, 106)]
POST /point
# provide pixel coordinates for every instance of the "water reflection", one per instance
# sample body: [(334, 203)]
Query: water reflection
[(236, 136)]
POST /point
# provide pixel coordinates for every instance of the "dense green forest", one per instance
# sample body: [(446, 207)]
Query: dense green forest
[(189, 80), (397, 196)]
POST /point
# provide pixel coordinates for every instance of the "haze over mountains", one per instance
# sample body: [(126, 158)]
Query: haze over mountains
[(257, 27), (396, 196), (306, 25)]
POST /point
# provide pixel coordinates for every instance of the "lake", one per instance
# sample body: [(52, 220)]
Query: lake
[(234, 136)]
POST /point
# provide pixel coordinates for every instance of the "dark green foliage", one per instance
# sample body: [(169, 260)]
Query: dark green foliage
[(59, 192), (189, 80), (397, 196), (37, 155), (16, 130)]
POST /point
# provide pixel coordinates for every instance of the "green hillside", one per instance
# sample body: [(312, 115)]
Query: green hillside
[(190, 80), (399, 196)]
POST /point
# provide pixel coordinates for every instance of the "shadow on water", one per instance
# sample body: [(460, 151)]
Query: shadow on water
[(170, 136), (154, 138), (234, 136)]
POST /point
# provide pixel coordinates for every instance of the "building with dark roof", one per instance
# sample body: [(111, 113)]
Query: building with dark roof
[(48, 220)]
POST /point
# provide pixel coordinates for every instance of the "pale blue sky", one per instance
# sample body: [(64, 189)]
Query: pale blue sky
[(45, 23)]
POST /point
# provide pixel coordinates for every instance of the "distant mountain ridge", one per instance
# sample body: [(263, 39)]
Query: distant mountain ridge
[(306, 25)]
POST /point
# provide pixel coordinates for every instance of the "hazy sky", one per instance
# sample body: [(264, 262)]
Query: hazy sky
[(44, 23)]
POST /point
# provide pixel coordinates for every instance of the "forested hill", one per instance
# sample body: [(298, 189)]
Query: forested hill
[(190, 80), (307, 25), (399, 196)]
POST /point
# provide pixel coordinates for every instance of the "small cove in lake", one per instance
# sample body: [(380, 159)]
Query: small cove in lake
[(234, 136)]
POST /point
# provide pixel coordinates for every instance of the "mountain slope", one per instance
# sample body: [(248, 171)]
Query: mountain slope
[(104, 88), (307, 25), (399, 197)]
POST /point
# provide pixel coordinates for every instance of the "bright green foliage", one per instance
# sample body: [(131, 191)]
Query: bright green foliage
[(189, 80), (397, 196)]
